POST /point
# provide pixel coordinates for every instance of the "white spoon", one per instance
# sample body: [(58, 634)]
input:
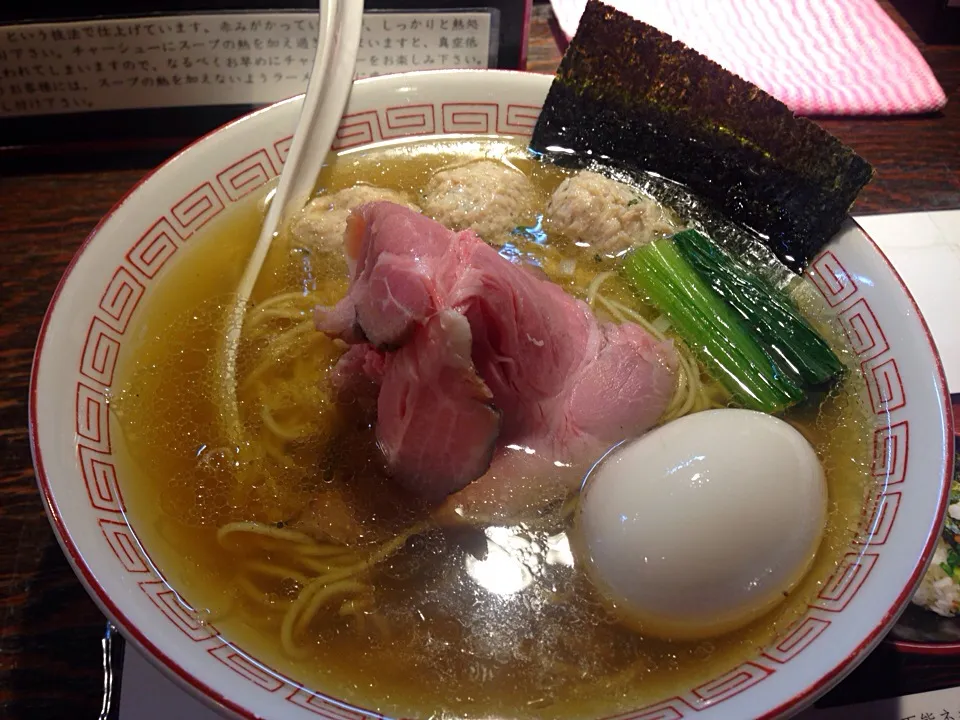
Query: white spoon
[(331, 79)]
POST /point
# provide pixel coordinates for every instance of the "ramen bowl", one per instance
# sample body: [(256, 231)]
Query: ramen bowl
[(93, 317)]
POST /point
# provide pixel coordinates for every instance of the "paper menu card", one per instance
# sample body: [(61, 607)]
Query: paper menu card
[(249, 58), (925, 250)]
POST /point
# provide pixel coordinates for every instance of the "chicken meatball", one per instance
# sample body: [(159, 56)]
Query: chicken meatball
[(608, 215), (322, 223), (489, 197)]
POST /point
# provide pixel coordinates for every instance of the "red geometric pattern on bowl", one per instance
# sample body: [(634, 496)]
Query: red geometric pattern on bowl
[(796, 639), (863, 331), (519, 120), (732, 683), (672, 709), (323, 707), (890, 452), (881, 519), (360, 128), (100, 477), (478, 118), (125, 546), (93, 423), (154, 248), (242, 665), (409, 120), (848, 578), (247, 174), (197, 208), (120, 299), (282, 148), (151, 252), (178, 612), (100, 351), (884, 384), (832, 280)]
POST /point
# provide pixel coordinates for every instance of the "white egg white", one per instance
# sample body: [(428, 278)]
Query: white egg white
[(704, 524)]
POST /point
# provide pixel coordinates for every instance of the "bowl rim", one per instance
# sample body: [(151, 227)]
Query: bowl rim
[(216, 699), (913, 647), (917, 647), (950, 430), (100, 597)]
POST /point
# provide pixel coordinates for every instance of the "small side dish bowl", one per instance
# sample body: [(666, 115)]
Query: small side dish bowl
[(94, 313), (919, 630)]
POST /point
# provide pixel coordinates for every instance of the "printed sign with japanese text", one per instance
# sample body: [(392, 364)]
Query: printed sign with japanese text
[(214, 59)]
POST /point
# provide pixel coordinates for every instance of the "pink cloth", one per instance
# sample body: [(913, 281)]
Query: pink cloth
[(819, 57)]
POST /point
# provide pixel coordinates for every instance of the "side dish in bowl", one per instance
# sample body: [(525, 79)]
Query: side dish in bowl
[(519, 428)]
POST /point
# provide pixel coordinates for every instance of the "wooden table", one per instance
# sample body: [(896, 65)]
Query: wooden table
[(50, 631)]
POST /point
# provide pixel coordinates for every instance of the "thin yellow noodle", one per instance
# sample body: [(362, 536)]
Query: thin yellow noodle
[(595, 285), (323, 566), (270, 363), (324, 550), (287, 336), (307, 605), (281, 572), (293, 296), (383, 552), (680, 393), (276, 428), (258, 596), (318, 590), (693, 379), (619, 316), (638, 319), (273, 351), (282, 458), (249, 526), (254, 321), (355, 606)]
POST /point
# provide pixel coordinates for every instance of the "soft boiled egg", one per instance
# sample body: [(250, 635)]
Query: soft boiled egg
[(703, 524)]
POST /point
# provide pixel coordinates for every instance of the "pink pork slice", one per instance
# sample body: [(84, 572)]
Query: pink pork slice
[(398, 260), (436, 423), (566, 385)]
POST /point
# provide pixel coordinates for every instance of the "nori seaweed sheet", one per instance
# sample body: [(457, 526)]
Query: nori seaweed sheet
[(629, 95)]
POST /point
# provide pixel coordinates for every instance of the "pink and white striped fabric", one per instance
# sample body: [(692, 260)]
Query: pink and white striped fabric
[(820, 57)]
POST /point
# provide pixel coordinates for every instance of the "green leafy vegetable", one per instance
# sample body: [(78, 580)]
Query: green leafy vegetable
[(951, 566), (660, 273), (783, 333), (951, 528)]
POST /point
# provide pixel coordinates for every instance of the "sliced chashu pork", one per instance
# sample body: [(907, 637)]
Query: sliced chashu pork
[(566, 386)]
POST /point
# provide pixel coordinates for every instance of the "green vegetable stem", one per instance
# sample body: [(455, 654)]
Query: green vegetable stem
[(783, 333), (660, 273)]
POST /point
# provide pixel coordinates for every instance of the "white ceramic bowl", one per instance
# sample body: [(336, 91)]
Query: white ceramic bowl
[(94, 311)]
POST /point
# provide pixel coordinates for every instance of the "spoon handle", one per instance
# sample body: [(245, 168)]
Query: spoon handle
[(323, 104), (331, 80), (322, 110)]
